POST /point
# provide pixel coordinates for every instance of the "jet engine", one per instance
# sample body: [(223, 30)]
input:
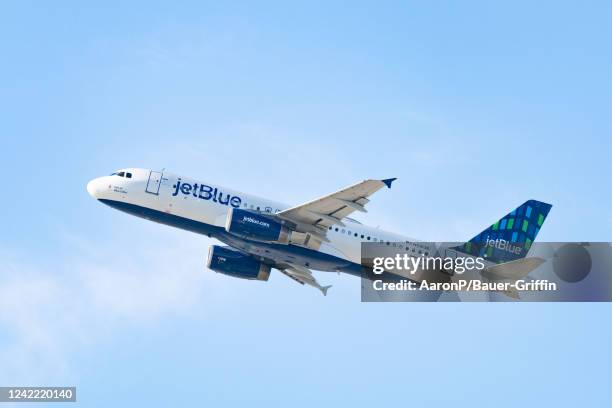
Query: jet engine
[(234, 263), (257, 226)]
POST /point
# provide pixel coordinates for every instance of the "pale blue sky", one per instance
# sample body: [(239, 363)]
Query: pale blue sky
[(474, 106)]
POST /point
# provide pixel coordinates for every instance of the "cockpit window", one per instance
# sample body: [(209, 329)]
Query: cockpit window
[(128, 175), (122, 174)]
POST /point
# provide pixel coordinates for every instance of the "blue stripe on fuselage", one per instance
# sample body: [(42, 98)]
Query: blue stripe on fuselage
[(277, 252)]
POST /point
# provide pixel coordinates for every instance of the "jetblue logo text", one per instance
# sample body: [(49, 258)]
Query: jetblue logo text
[(503, 245), (206, 193)]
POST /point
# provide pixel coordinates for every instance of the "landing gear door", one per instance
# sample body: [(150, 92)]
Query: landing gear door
[(154, 182)]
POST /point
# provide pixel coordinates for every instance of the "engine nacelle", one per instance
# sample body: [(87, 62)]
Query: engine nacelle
[(257, 226), (234, 263)]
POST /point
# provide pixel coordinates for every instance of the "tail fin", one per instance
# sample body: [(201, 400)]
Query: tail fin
[(511, 237)]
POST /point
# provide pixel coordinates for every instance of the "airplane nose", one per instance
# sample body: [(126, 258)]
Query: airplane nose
[(92, 188)]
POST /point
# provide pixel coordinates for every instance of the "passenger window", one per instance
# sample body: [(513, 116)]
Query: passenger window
[(361, 236), (336, 229), (356, 234), (368, 238)]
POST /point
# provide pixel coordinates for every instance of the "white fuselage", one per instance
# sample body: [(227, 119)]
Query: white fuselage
[(185, 202)]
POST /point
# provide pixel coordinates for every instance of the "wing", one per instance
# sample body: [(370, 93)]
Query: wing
[(302, 275), (318, 215)]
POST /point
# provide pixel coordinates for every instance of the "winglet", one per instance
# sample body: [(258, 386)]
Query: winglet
[(324, 289), (389, 181)]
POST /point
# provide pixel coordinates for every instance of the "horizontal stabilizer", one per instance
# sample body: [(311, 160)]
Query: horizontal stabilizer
[(511, 292), (513, 269)]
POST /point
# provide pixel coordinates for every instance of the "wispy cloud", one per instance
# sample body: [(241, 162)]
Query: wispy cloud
[(51, 312)]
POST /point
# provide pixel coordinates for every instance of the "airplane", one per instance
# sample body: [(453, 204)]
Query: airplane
[(261, 234)]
